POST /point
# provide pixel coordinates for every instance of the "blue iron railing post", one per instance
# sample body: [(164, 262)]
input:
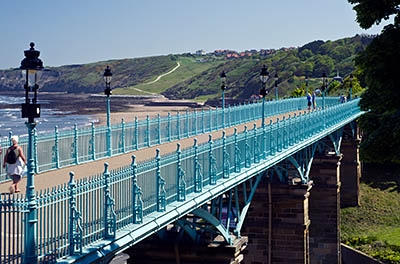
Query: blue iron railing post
[(198, 177), (9, 138), (255, 144), (216, 118), (181, 183), (194, 122), (76, 144), (229, 115), (237, 153), (178, 128), (137, 202), (212, 168), (159, 128), (56, 150), (187, 123), (209, 119), (31, 220), (75, 230), (272, 142), (225, 158), (93, 142), (110, 218), (247, 153), (109, 147), (263, 113), (123, 135), (148, 130), (35, 146), (202, 121), (169, 127), (136, 132), (160, 182)]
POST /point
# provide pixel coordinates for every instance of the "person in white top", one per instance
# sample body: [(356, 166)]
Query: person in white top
[(15, 161)]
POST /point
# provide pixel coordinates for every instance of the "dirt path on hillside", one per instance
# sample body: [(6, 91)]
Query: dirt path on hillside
[(164, 74)]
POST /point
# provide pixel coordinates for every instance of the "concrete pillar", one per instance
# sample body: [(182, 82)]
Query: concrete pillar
[(324, 210), (289, 225), (350, 169)]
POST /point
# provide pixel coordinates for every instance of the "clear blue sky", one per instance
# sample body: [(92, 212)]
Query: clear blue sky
[(83, 31)]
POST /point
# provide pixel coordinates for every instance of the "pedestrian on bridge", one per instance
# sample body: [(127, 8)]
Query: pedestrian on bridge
[(309, 101), (314, 103), (16, 163)]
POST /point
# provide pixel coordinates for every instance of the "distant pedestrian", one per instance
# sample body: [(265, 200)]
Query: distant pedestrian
[(314, 103), (309, 101), (16, 162)]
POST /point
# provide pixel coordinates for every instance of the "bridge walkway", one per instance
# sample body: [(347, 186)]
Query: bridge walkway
[(56, 177)]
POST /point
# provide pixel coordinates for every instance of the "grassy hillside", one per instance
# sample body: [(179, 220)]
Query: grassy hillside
[(189, 68), (198, 76), (88, 78), (374, 227)]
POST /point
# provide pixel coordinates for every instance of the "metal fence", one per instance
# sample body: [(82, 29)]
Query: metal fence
[(78, 145), (73, 216)]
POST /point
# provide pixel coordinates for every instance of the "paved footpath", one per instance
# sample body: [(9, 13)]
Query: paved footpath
[(53, 178)]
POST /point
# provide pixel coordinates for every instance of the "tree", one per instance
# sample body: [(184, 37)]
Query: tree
[(378, 64)]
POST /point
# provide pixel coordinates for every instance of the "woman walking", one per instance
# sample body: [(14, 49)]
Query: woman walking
[(15, 161)]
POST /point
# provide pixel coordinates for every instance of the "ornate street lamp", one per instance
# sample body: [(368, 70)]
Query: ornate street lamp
[(223, 88), (351, 85), (324, 87), (276, 86), (263, 91), (107, 78), (306, 79), (31, 67)]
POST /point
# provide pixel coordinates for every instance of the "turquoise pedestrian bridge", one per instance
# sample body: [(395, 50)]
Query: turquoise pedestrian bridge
[(206, 189)]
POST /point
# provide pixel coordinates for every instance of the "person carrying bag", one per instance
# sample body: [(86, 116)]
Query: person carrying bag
[(16, 163)]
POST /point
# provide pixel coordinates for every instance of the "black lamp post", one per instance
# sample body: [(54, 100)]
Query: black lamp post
[(107, 78), (263, 91), (223, 88), (31, 67), (351, 86), (324, 84), (276, 86)]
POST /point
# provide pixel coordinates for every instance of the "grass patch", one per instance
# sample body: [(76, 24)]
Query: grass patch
[(189, 68), (374, 227)]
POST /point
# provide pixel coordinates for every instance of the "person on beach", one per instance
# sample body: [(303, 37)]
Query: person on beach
[(309, 101), (15, 161), (313, 101)]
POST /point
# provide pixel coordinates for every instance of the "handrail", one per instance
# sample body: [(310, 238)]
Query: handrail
[(78, 145)]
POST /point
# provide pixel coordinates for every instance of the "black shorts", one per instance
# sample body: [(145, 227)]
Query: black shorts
[(309, 104)]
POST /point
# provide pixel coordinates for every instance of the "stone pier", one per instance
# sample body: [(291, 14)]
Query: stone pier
[(290, 223), (324, 210), (158, 251), (350, 169)]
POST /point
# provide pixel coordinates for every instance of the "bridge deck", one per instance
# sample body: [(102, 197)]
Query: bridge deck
[(60, 176)]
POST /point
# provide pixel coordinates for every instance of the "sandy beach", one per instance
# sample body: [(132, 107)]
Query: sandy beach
[(127, 107)]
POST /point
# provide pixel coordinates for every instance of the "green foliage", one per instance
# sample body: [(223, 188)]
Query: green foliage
[(298, 92), (371, 12), (374, 226), (378, 66)]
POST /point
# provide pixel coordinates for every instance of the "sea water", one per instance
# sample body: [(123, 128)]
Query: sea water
[(11, 120)]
